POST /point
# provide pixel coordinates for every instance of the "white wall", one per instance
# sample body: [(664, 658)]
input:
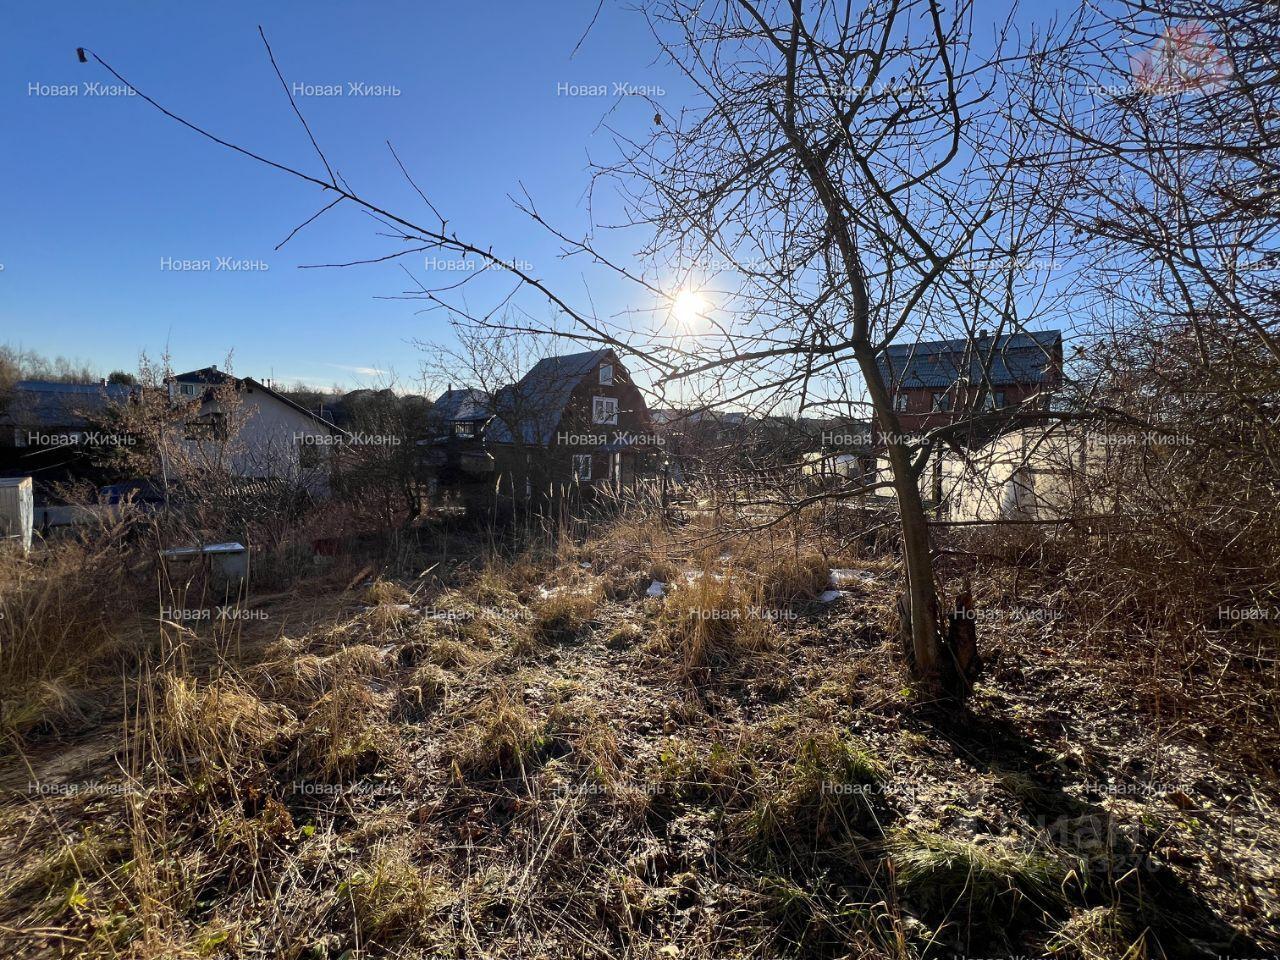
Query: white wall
[(266, 440), (1024, 475)]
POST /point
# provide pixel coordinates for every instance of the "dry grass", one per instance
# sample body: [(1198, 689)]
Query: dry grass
[(219, 726), (626, 634), (988, 886), (501, 583), (499, 738), (65, 624), (386, 593), (564, 613), (345, 734), (394, 901), (577, 799), (1102, 933), (827, 796), (425, 689), (298, 678), (591, 740), (714, 620), (634, 551), (785, 575)]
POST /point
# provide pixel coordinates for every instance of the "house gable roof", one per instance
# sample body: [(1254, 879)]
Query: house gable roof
[(209, 375), (538, 400), (213, 376), (1019, 358), (467, 403)]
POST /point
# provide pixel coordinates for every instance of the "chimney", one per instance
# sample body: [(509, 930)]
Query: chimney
[(982, 334)]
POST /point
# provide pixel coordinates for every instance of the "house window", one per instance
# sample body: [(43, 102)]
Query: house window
[(942, 402), (993, 400), (604, 410), (899, 402), (188, 389), (464, 428), (606, 374), (582, 466), (212, 427)]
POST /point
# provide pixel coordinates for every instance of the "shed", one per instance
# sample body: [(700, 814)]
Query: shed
[(16, 511), (1028, 474)]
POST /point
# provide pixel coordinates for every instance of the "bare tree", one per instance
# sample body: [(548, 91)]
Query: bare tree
[(375, 464), (855, 173), (1166, 144)]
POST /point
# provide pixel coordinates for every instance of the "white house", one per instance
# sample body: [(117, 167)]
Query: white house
[(245, 427)]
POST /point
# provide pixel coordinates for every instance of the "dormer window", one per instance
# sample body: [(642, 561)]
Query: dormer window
[(606, 374)]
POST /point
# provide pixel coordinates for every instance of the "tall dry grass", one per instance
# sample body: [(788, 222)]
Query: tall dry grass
[(67, 619)]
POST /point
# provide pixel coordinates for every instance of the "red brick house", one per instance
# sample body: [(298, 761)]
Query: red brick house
[(935, 383)]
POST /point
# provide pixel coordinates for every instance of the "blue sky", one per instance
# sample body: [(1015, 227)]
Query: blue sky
[(101, 189)]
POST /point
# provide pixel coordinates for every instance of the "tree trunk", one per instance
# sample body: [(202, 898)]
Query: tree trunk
[(921, 613), (922, 606)]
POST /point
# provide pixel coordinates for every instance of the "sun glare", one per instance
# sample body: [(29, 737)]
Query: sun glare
[(689, 306)]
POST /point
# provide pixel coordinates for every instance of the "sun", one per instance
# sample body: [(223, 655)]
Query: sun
[(689, 307)]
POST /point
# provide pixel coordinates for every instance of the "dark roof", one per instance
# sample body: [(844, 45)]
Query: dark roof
[(205, 375), (539, 399), (44, 403), (1019, 358), (465, 404)]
